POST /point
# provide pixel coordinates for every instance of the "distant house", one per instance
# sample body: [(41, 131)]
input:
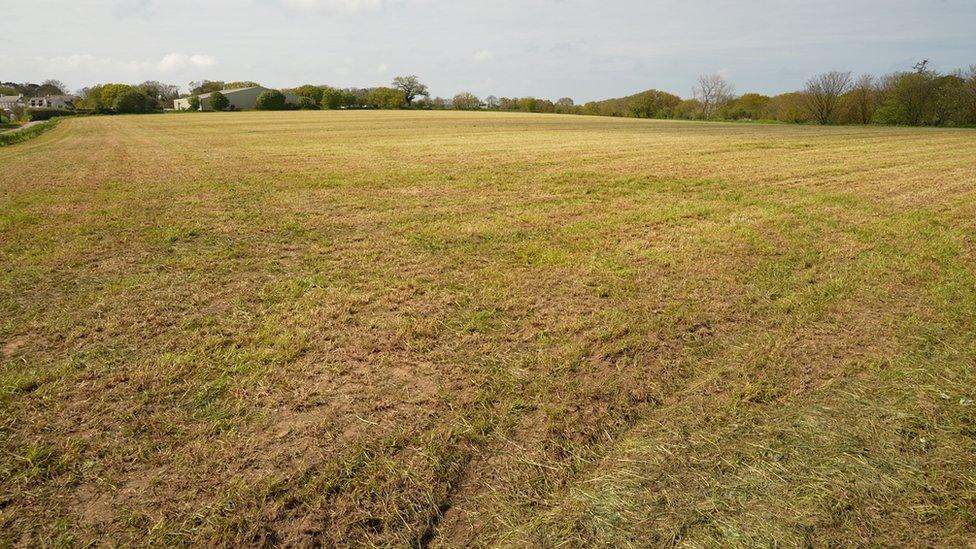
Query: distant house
[(241, 99), (10, 102), (64, 102)]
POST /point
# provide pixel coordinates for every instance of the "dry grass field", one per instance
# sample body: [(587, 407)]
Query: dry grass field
[(445, 329)]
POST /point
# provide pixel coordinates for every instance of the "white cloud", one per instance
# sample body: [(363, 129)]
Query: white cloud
[(177, 61), (349, 6), (93, 67), (78, 61), (483, 55)]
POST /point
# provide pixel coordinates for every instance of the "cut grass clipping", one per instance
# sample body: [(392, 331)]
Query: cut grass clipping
[(451, 329)]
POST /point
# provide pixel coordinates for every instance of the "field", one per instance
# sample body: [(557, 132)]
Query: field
[(446, 329)]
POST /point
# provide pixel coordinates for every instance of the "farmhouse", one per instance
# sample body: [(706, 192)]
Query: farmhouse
[(64, 102), (240, 99), (10, 102)]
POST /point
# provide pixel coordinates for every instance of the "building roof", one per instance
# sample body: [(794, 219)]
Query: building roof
[(225, 92), (10, 98)]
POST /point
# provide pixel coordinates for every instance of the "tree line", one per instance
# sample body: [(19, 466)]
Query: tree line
[(917, 97), (920, 96)]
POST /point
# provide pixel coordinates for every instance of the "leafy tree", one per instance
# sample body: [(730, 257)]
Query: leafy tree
[(527, 104), (411, 87), (385, 98), (131, 101), (750, 106), (566, 105), (239, 84), (164, 93), (306, 103), (466, 101), (789, 107), (52, 87), (194, 101), (219, 101), (861, 101), (969, 97), (652, 104), (315, 93), (332, 98), (103, 96), (206, 86), (687, 109), (271, 100)]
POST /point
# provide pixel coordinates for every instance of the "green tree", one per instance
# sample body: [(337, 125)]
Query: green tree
[(411, 87), (385, 98), (194, 101), (110, 92), (750, 106), (206, 86), (687, 109), (131, 101), (271, 100), (332, 98), (315, 93), (908, 97), (861, 101), (652, 104), (789, 107), (219, 101), (306, 103), (52, 87), (239, 84)]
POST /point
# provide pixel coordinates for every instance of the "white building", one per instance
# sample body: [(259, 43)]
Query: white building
[(241, 99), (10, 102)]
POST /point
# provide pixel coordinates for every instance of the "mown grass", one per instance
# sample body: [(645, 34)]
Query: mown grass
[(453, 329)]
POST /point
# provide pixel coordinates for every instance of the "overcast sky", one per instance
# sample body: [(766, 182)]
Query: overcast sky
[(585, 49)]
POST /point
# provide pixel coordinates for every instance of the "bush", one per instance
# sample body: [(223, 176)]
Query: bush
[(271, 100), (130, 102), (194, 101), (307, 103), (36, 115), (219, 101), (16, 136)]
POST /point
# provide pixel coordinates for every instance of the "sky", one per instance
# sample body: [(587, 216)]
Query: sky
[(583, 49)]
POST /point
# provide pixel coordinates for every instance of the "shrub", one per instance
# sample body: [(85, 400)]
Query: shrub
[(11, 137), (219, 101), (131, 101), (194, 101), (307, 103), (35, 115), (271, 100)]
